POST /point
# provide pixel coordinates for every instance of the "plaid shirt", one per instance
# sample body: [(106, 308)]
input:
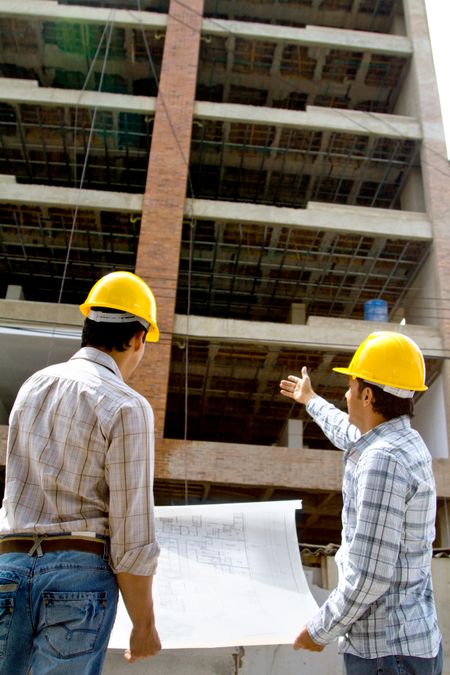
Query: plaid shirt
[(383, 604), (80, 459)]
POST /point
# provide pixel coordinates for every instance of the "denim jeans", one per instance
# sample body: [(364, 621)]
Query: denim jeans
[(56, 613), (393, 665)]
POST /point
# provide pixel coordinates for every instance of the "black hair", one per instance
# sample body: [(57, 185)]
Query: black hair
[(109, 336), (387, 405)]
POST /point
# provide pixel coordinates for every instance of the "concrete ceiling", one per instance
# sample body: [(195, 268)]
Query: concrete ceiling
[(23, 351)]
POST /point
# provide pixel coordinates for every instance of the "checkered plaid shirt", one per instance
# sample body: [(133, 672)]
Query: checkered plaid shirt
[(80, 459), (383, 604)]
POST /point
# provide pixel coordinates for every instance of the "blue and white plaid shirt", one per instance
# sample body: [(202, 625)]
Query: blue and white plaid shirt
[(383, 604)]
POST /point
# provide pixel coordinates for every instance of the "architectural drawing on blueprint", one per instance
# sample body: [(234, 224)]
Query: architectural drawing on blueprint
[(229, 574)]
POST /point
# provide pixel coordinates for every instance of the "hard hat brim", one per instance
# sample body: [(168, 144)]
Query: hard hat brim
[(350, 373), (152, 334)]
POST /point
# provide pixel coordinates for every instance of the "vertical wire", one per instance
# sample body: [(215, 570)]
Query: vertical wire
[(108, 26), (86, 159), (186, 358)]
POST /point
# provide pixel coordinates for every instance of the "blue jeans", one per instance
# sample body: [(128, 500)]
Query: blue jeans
[(393, 665), (56, 613)]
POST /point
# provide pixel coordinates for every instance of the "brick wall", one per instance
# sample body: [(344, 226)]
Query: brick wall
[(164, 199)]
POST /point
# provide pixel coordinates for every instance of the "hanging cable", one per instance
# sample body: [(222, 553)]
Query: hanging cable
[(107, 30), (109, 26)]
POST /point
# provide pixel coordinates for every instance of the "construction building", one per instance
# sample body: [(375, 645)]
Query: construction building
[(269, 167)]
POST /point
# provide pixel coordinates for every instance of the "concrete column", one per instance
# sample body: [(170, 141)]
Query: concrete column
[(443, 526), (14, 292), (164, 199), (420, 98), (297, 313), (292, 436)]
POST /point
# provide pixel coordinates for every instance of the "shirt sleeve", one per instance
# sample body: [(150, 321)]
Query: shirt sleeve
[(333, 422), (371, 553), (129, 473)]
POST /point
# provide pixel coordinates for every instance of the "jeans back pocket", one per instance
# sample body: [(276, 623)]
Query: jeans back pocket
[(73, 620), (8, 590)]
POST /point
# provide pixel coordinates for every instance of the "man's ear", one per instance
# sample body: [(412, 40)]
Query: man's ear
[(367, 395), (138, 339)]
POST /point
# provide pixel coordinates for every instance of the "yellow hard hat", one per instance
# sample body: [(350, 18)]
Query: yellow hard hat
[(128, 293), (392, 361)]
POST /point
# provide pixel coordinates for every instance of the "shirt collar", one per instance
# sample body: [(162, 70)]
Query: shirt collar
[(396, 425), (97, 356)]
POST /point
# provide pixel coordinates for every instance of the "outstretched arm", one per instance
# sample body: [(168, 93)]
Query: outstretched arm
[(333, 422)]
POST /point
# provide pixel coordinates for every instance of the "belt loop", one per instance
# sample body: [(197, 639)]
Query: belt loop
[(36, 548), (106, 550)]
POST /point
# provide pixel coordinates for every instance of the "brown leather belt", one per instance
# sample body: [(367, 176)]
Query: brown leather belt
[(52, 545)]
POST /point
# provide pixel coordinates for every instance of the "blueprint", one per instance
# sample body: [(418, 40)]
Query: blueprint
[(228, 575)]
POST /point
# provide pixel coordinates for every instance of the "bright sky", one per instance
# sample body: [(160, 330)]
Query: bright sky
[(438, 21)]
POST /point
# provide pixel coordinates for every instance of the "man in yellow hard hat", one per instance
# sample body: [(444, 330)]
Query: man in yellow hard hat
[(77, 521), (383, 607)]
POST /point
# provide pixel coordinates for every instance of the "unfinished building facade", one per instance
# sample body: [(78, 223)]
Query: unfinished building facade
[(269, 167)]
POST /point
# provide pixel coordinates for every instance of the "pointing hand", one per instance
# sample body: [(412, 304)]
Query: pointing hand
[(298, 388)]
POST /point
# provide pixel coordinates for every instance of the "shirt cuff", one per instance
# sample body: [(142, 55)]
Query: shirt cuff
[(141, 561), (318, 635)]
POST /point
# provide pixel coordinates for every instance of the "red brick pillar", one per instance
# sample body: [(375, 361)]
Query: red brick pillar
[(164, 199)]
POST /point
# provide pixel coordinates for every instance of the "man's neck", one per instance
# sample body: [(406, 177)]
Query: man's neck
[(371, 421)]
